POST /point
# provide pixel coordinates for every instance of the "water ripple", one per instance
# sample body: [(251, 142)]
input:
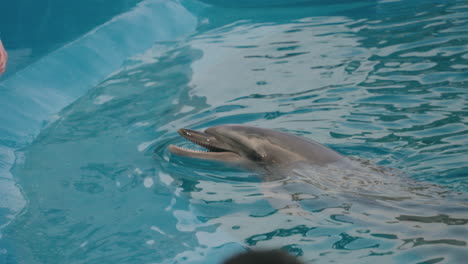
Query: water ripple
[(385, 82)]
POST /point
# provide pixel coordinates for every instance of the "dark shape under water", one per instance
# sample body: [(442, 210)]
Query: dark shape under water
[(259, 257)]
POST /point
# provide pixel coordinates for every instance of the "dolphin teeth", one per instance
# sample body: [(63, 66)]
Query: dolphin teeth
[(209, 148), (191, 150), (202, 139)]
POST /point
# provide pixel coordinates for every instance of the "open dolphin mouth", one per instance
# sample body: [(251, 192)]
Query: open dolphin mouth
[(215, 149)]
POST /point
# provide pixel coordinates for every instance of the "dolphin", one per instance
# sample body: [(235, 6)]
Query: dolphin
[(253, 147), (333, 185)]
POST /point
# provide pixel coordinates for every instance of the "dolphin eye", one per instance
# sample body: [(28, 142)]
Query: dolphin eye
[(255, 156)]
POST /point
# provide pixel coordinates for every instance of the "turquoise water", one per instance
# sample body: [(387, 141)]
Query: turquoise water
[(91, 180)]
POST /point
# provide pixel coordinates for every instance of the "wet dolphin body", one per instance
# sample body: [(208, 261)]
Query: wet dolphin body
[(362, 195), (253, 147)]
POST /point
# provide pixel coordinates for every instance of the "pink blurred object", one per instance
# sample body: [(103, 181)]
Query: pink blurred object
[(3, 58)]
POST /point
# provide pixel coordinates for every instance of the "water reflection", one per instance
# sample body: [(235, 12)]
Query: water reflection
[(103, 188), (377, 88)]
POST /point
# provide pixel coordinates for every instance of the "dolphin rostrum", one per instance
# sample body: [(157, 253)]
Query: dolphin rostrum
[(250, 147)]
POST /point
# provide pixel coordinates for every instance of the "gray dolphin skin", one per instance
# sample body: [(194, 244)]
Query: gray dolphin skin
[(250, 147)]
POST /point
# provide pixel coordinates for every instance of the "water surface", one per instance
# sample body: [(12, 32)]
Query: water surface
[(383, 81)]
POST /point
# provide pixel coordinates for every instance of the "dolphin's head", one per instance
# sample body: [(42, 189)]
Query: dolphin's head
[(246, 145)]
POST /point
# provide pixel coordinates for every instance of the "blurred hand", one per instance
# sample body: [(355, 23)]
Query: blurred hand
[(3, 58)]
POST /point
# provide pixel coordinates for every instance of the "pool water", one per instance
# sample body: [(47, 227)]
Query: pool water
[(384, 82)]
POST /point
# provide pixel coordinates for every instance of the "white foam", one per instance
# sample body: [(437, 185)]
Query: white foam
[(148, 182), (103, 99), (148, 84), (155, 228), (165, 178), (143, 146), (141, 124)]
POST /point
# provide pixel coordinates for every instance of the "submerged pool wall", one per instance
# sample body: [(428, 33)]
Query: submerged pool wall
[(48, 78)]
